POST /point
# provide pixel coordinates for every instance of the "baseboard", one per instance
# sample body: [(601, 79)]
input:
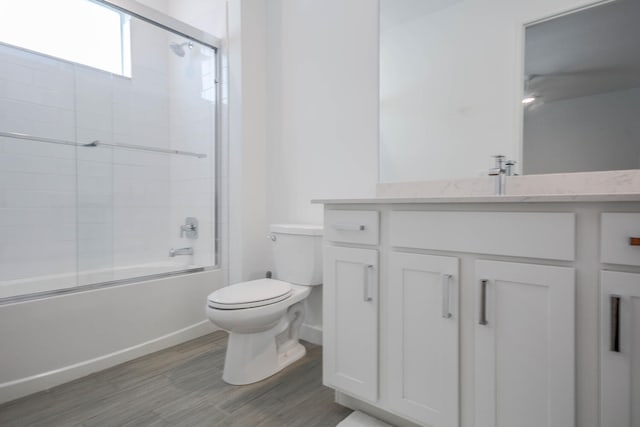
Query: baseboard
[(24, 386), (311, 333)]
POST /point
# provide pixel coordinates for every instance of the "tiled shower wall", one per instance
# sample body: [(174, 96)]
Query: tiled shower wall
[(65, 209)]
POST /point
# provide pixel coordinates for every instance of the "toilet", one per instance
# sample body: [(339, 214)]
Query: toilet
[(263, 317)]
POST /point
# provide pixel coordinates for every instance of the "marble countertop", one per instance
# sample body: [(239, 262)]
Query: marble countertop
[(533, 198), (606, 186)]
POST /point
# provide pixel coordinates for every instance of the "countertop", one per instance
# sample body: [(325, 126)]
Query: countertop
[(533, 198)]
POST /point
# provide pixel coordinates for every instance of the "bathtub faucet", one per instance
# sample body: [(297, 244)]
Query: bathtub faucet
[(180, 251)]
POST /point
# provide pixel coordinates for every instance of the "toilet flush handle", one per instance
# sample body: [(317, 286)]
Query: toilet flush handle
[(272, 237)]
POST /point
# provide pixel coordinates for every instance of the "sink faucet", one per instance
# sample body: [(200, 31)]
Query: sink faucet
[(500, 172), (180, 251), (502, 169)]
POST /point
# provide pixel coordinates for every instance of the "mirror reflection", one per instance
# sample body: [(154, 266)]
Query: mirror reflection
[(451, 86), (582, 91)]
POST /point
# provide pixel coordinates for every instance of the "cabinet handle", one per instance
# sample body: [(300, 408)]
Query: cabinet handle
[(614, 332), (348, 227), (446, 290), (483, 303), (366, 296), (634, 241)]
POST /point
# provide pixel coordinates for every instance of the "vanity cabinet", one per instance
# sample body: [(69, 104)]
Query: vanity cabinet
[(423, 319), (620, 349), (524, 345), (350, 361), (620, 321), (523, 313), (485, 314)]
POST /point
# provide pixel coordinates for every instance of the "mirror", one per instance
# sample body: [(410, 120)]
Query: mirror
[(451, 87), (582, 88)]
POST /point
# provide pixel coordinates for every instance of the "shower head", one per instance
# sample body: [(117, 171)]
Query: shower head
[(178, 48)]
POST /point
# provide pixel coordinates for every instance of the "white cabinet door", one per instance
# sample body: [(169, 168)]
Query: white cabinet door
[(422, 295), (525, 345), (620, 349), (350, 317)]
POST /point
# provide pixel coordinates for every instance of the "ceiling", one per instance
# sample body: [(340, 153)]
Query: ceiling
[(584, 53)]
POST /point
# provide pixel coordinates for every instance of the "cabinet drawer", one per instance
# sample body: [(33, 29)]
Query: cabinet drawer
[(352, 226), (522, 234), (616, 231)]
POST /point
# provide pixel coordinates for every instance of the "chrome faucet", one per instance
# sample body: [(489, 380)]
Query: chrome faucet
[(500, 172), (180, 251), (502, 169), (509, 167), (189, 228)]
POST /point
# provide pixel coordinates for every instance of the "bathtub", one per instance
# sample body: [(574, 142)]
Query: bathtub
[(49, 338), (36, 287)]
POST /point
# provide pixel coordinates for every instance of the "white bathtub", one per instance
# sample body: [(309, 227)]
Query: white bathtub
[(72, 281), (53, 339)]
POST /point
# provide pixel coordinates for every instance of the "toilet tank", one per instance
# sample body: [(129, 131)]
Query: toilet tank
[(297, 253)]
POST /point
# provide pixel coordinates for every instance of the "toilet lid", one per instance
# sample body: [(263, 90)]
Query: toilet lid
[(255, 293)]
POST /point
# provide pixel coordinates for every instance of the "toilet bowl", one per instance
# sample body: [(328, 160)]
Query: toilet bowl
[(263, 317)]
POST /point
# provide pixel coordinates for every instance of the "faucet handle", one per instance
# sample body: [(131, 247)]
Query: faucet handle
[(189, 228), (499, 160)]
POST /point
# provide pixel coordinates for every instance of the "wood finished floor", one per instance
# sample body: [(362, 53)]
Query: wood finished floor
[(182, 386)]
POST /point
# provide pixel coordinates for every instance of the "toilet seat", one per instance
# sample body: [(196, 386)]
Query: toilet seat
[(251, 294)]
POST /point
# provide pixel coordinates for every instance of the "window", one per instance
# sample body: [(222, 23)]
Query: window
[(80, 31)]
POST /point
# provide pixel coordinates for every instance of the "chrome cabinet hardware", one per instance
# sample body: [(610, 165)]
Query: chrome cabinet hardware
[(368, 270), (483, 303), (614, 328), (348, 227), (446, 296)]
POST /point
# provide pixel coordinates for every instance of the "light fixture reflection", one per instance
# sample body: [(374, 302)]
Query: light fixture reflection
[(528, 99)]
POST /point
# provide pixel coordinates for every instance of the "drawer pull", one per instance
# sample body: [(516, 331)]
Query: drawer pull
[(446, 291), (634, 241), (366, 295), (483, 303), (614, 331), (348, 227)]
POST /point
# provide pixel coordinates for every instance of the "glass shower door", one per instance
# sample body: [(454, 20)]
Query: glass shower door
[(102, 173)]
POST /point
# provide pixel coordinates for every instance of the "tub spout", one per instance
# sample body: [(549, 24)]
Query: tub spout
[(180, 251)]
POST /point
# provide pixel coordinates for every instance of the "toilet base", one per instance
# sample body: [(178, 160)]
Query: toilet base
[(253, 357), (286, 358)]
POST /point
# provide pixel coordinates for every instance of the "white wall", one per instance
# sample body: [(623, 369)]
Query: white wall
[(322, 104), (453, 96), (248, 227), (207, 15), (322, 93), (589, 133)]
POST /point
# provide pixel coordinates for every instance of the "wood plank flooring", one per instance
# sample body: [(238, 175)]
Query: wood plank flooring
[(182, 386)]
